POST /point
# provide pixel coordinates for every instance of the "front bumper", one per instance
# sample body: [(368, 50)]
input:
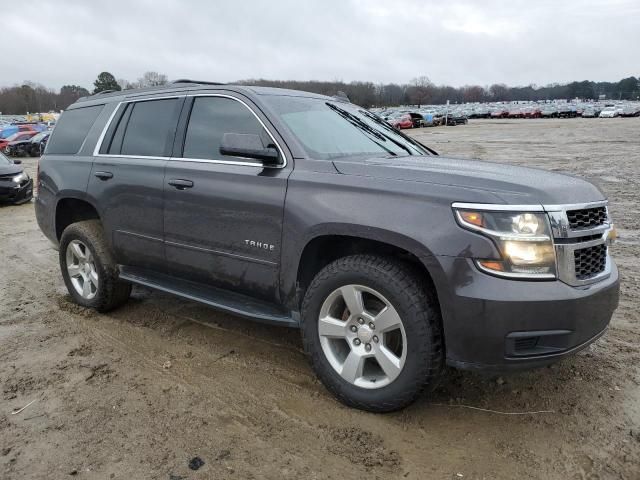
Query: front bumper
[(497, 324), (12, 193)]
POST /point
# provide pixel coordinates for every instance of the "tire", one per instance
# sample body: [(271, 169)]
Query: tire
[(419, 363), (98, 272)]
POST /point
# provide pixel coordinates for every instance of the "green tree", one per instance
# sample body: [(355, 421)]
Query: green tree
[(69, 94), (627, 88), (105, 81)]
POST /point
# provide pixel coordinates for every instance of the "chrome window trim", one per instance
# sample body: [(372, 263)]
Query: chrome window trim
[(250, 163)]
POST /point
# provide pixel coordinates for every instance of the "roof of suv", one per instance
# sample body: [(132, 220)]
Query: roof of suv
[(183, 85)]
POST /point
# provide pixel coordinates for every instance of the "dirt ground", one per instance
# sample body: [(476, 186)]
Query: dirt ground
[(142, 391)]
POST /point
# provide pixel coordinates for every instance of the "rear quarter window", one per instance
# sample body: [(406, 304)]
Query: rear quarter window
[(71, 130)]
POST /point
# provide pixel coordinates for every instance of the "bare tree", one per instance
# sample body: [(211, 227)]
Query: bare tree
[(152, 79), (420, 91)]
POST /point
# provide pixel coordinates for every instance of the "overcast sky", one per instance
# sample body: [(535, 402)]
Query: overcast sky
[(451, 42)]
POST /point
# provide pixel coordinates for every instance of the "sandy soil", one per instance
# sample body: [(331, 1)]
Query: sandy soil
[(142, 391)]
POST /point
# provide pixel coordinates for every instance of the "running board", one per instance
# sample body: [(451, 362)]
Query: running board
[(225, 300)]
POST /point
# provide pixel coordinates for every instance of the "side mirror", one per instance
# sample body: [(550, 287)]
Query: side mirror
[(248, 146), (17, 162)]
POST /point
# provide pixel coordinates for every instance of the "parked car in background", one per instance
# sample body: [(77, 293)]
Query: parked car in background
[(401, 121), (456, 117), (500, 112), (14, 138), (32, 147), (549, 111), (417, 120), (609, 112), (481, 111), (11, 129), (428, 118), (15, 184), (630, 111), (590, 112), (515, 112)]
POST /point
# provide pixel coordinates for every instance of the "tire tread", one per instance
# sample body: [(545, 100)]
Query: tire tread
[(420, 300), (113, 291)]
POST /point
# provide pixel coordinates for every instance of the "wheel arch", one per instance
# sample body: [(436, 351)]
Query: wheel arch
[(71, 209), (325, 247)]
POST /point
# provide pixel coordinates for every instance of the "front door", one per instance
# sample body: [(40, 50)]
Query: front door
[(223, 215)]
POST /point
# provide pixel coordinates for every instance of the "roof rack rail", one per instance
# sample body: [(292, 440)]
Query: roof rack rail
[(200, 82), (102, 92)]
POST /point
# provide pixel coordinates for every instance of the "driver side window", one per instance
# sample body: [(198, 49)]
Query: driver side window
[(210, 119)]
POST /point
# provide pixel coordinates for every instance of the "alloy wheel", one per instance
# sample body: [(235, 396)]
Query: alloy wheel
[(362, 336), (82, 269)]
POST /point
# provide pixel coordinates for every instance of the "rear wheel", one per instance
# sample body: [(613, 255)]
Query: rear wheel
[(372, 329), (89, 269)]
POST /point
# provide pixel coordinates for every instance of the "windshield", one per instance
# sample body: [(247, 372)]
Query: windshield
[(4, 160), (39, 136), (334, 129)]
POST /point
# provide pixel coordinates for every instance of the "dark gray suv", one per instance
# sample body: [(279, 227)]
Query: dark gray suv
[(307, 211)]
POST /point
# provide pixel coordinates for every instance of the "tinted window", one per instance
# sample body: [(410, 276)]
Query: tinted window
[(149, 128), (211, 118), (71, 129), (115, 145)]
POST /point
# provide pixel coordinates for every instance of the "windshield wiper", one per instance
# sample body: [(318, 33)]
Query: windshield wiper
[(356, 122), (369, 127), (396, 132)]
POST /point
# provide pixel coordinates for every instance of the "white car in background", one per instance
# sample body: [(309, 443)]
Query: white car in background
[(609, 112)]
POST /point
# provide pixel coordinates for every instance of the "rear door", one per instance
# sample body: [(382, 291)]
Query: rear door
[(128, 177), (223, 215)]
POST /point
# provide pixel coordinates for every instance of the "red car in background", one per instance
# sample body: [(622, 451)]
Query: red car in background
[(532, 112), (26, 127), (499, 112), (16, 137), (401, 121)]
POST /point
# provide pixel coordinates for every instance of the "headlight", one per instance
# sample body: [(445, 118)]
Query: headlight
[(523, 239), (21, 177)]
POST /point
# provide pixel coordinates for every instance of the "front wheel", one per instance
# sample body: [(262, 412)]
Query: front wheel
[(372, 328), (89, 269)]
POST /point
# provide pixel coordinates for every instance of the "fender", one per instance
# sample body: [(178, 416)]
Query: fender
[(291, 263)]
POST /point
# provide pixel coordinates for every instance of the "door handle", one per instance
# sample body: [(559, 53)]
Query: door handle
[(180, 184), (104, 175)]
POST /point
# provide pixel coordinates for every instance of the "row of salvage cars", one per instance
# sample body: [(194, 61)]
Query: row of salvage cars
[(23, 140), (416, 118), (561, 110), (19, 139), (435, 115)]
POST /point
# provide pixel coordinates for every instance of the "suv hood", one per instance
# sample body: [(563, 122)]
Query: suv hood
[(510, 184), (13, 169)]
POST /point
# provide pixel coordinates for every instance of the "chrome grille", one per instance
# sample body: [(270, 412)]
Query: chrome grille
[(580, 234), (586, 218), (590, 261)]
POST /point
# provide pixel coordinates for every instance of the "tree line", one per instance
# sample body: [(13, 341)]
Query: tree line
[(421, 91), (31, 97)]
